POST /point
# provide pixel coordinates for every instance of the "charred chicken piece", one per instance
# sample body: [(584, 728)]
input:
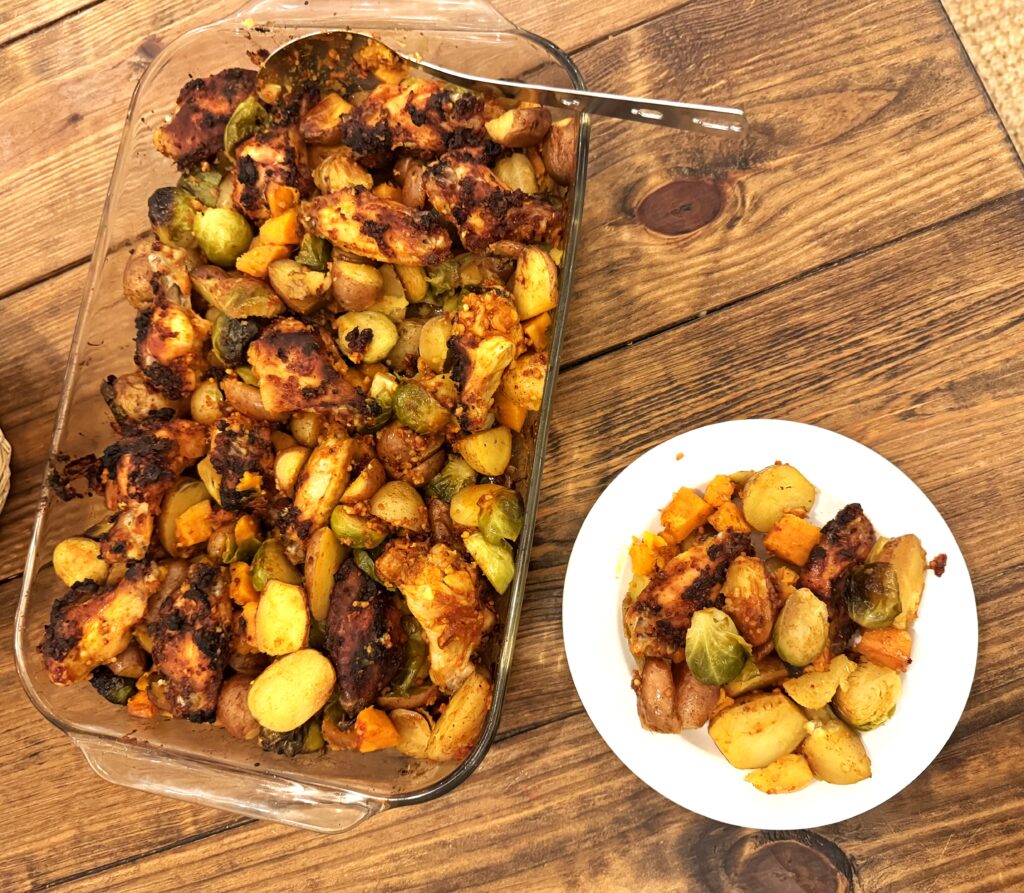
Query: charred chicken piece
[(242, 453), (444, 593), (137, 472), (485, 211), (91, 625), (417, 117), (846, 540), (486, 337), (297, 367), (133, 400), (658, 620), (191, 635), (170, 347), (365, 639), (380, 229), (196, 132), (273, 156), (408, 456)]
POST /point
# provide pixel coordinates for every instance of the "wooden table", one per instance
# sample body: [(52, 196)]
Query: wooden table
[(863, 273)]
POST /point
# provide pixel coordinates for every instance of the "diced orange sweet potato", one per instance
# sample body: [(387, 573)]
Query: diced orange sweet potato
[(194, 525), (536, 330), (141, 706), (247, 643), (388, 191), (792, 539), (509, 414), (887, 647), (283, 229), (280, 198), (685, 513), (649, 552), (338, 738), (375, 730), (728, 517), (719, 491), (259, 257), (246, 529), (786, 577), (241, 588)]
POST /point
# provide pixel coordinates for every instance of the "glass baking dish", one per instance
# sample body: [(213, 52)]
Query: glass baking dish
[(199, 763)]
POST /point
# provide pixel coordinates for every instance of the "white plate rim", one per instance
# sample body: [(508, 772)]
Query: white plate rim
[(597, 667)]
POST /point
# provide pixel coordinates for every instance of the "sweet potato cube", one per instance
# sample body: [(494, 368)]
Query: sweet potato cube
[(685, 513), (280, 198), (388, 191), (241, 589), (536, 330), (728, 517), (509, 414), (194, 525), (792, 539), (258, 259), (375, 730), (886, 647), (283, 229), (719, 491), (646, 552), (141, 706)]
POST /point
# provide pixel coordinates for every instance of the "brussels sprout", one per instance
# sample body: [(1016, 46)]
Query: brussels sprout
[(116, 689), (455, 475), (171, 213), (357, 532), (248, 118), (773, 491), (801, 629), (314, 252), (247, 375), (366, 336), (443, 278), (223, 235), (204, 185), (271, 563), (715, 651), (873, 595), (416, 653), (868, 697), (501, 518), (236, 294), (207, 401), (232, 337), (307, 738), (494, 559), (364, 561), (415, 408), (905, 554)]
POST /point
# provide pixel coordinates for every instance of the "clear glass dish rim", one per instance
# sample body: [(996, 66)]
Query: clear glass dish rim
[(23, 648)]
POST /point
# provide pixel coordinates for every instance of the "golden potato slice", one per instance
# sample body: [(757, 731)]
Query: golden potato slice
[(758, 730), (786, 775), (282, 621), (291, 690), (77, 559), (520, 127), (324, 555), (836, 754), (487, 452), (462, 722), (535, 283)]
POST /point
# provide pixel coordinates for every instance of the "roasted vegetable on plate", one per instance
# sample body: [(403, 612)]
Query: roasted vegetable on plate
[(785, 639), (313, 499)]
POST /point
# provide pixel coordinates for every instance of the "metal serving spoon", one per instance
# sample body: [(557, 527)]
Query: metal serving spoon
[(340, 57)]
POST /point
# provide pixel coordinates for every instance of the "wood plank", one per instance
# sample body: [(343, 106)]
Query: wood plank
[(18, 19), (914, 360), (83, 70)]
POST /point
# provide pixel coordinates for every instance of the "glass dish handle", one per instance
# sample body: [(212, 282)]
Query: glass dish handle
[(448, 15), (257, 796)]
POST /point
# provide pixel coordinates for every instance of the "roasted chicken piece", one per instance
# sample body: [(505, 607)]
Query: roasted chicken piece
[(297, 367), (659, 618), (365, 639), (377, 228), (846, 540), (91, 625), (273, 156), (191, 635), (137, 472), (484, 210), (133, 400), (196, 132), (320, 484), (408, 456), (486, 337), (417, 117), (444, 593), (242, 453), (170, 347)]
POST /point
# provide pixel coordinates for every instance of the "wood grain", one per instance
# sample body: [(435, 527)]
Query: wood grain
[(899, 386)]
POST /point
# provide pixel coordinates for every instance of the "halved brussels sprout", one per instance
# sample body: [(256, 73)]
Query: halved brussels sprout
[(494, 559), (236, 294), (204, 185), (116, 689), (715, 651), (248, 118), (314, 252), (907, 556), (223, 235), (404, 354), (801, 629), (869, 696), (501, 518), (358, 532), (232, 337), (172, 213), (364, 561), (415, 408), (271, 563), (455, 476), (416, 664), (365, 336), (221, 546), (873, 595)]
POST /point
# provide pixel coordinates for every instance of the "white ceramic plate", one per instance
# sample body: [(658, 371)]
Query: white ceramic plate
[(687, 768)]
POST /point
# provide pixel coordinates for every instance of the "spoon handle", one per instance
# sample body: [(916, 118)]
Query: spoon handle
[(678, 115)]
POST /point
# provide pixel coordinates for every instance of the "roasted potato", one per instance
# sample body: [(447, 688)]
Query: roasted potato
[(558, 149), (77, 560), (836, 754), (291, 690), (758, 729), (460, 725), (302, 289), (516, 172), (520, 127), (399, 504), (750, 598), (656, 697), (523, 381), (233, 713), (356, 286), (487, 452), (282, 621), (535, 283), (908, 559), (324, 555), (784, 776), (694, 701), (772, 492)]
